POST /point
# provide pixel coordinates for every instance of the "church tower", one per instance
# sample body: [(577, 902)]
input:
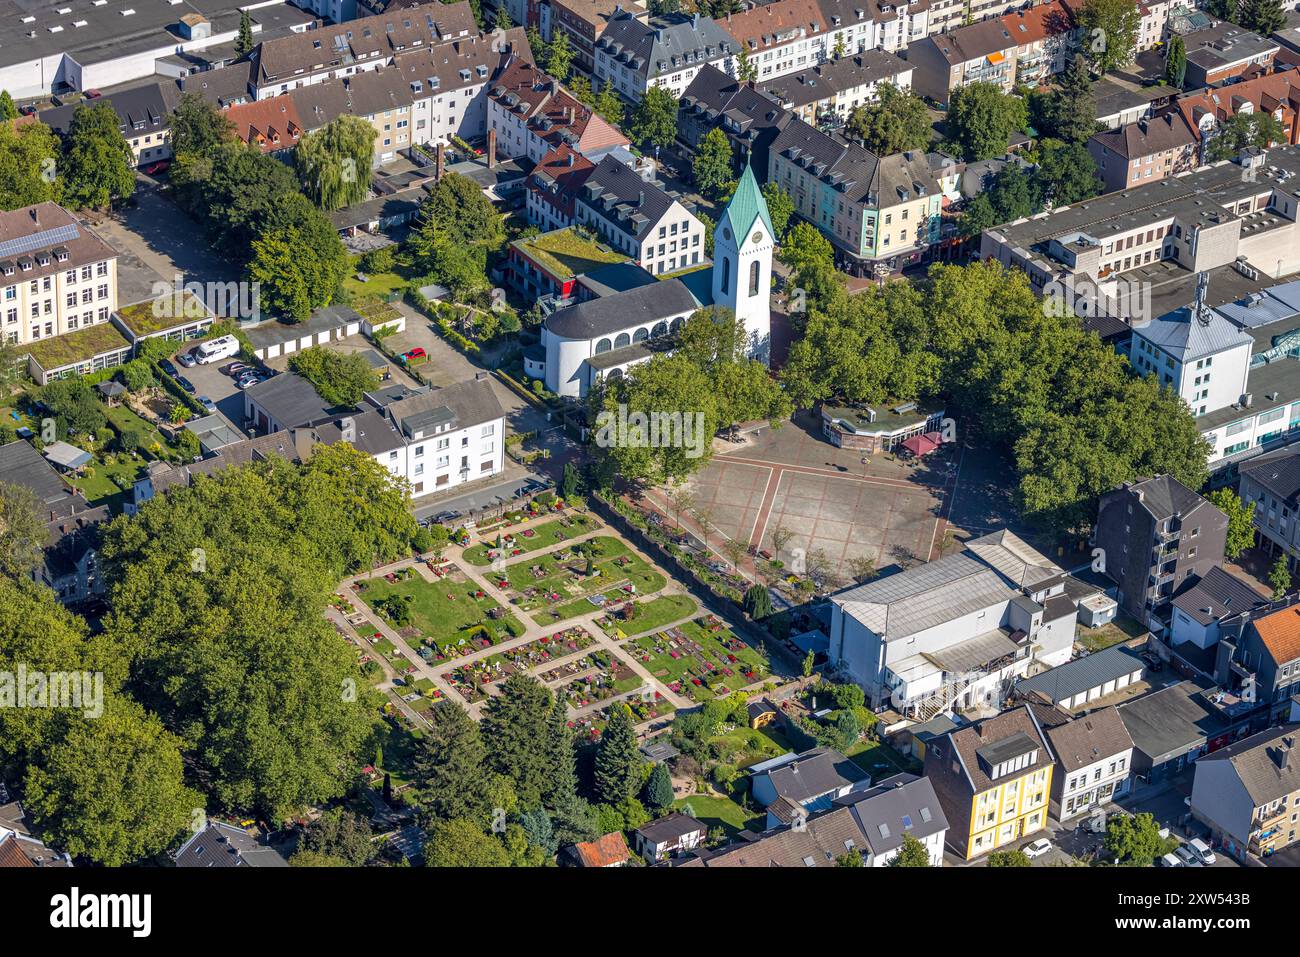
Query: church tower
[(742, 263)]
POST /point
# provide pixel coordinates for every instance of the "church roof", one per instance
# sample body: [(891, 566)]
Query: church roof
[(747, 205)]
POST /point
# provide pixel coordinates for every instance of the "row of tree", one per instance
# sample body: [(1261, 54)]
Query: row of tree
[(90, 167)]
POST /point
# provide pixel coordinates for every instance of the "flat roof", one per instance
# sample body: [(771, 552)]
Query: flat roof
[(565, 254), (80, 346), (154, 316)]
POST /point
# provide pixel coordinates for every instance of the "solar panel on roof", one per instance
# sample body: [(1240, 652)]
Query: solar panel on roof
[(46, 237)]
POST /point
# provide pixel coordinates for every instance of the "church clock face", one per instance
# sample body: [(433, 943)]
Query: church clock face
[(757, 237)]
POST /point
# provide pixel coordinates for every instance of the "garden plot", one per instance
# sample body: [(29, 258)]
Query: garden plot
[(602, 676), (588, 727), (473, 680), (511, 542), (702, 659), (580, 579), (634, 618), (442, 619)]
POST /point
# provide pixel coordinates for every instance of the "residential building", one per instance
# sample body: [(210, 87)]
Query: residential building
[(872, 822), (794, 787), (1144, 151), (1270, 648), (982, 52), (347, 49), (1046, 38), (856, 27), (1120, 105), (881, 213), (1225, 51), (609, 850), (1206, 612), (1154, 23), (584, 22), (1276, 93), (160, 476), (143, 115), (272, 125), (666, 51), (639, 219), (56, 274), (993, 780), (1272, 483), (1077, 684), (1248, 794), (833, 89), (948, 15), (1155, 535), (532, 115), (777, 38), (553, 187), (545, 266), (18, 848), (1174, 726), (751, 119), (1094, 760), (956, 632), (224, 845), (672, 835)]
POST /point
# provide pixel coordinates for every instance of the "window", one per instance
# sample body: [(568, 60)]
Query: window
[(754, 271), (726, 275)]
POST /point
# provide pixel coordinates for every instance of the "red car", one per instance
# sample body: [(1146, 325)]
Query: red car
[(153, 169), (415, 355), (93, 94)]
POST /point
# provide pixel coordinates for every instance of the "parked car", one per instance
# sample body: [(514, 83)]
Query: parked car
[(185, 384), (235, 368), (1169, 860), (1188, 856), (442, 518), (250, 378), (1202, 850), (1038, 848), (93, 94), (1153, 661), (153, 169), (28, 110), (207, 403), (167, 367), (413, 355), (187, 359)]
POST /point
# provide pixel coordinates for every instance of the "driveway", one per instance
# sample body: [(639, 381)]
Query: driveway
[(221, 389)]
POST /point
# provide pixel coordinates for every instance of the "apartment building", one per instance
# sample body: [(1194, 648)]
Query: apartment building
[(953, 633), (639, 219), (1276, 93), (1225, 51), (1248, 793), (143, 114), (834, 89), (532, 115), (1272, 482), (1144, 152), (56, 275), (779, 38), (751, 119), (1154, 23), (1094, 760), (584, 22), (948, 15), (354, 47), (879, 212), (553, 187), (993, 780), (271, 125), (1155, 535), (668, 51)]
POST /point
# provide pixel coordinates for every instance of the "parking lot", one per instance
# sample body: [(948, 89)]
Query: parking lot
[(209, 381)]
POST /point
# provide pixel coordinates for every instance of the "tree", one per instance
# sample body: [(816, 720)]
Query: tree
[(850, 858), (681, 499), (809, 663), (712, 167), (1110, 29), (98, 165), (560, 786), (1265, 17), (113, 789), (298, 259), (659, 789), (448, 769), (1176, 62), (198, 128), (1008, 859), (892, 121), (333, 162), (1245, 130), (1068, 112), (780, 207), (1066, 173), (463, 843), (981, 119), (618, 762), (862, 568), (746, 69), (570, 483), (457, 212), (244, 40), (1280, 578), (513, 723), (912, 854), (8, 109), (1241, 520), (609, 105), (758, 602), (23, 533), (339, 835), (654, 121), (1135, 841), (559, 56), (28, 165), (340, 378)]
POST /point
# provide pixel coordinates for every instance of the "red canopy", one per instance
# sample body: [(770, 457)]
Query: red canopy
[(921, 445)]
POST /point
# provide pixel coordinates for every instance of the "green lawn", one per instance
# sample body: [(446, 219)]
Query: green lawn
[(880, 760), (543, 536), (680, 666), (720, 812), (613, 564), (1122, 629), (444, 612), (657, 612), (745, 746)]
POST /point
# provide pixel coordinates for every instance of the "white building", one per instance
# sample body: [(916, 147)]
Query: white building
[(1094, 754), (784, 37), (743, 243), (666, 51), (956, 632)]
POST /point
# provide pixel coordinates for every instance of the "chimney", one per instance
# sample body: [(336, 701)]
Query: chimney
[(440, 162), (641, 200), (492, 149)]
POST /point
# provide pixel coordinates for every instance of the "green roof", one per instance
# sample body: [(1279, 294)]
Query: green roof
[(747, 204), (166, 312), (566, 254), (80, 346)]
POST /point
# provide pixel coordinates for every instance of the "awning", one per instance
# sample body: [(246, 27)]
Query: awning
[(996, 58), (920, 445)]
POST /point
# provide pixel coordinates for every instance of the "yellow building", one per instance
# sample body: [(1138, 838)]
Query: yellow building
[(994, 780)]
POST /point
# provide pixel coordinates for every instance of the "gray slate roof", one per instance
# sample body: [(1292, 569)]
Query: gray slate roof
[(472, 402), (1082, 674), (624, 199), (897, 806), (813, 774), (1188, 339), (835, 76), (644, 305), (221, 845), (1087, 740), (668, 829), (1217, 595), (1266, 763), (21, 464), (664, 44), (1279, 472), (290, 400)]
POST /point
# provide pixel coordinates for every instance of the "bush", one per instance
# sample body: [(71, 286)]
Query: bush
[(341, 379), (137, 375), (129, 441), (378, 260)]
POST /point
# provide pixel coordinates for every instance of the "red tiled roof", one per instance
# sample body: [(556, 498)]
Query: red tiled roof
[(11, 855), (1280, 633), (1279, 89), (565, 167), (271, 124), (759, 27), (604, 851)]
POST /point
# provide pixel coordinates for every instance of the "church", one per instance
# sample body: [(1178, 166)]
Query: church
[(629, 315)]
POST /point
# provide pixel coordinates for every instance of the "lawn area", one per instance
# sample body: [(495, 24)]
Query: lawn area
[(720, 812), (532, 538), (97, 481), (654, 614), (880, 760), (124, 419), (444, 613), (742, 747), (1123, 628), (700, 658), (562, 574), (378, 285), (565, 253)]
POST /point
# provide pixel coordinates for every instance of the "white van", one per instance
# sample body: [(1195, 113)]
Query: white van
[(1202, 851), (1169, 860), (214, 350)]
